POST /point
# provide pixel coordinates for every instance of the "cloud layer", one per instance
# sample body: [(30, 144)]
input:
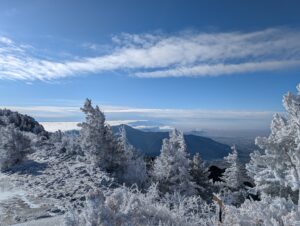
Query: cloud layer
[(191, 54), (185, 119)]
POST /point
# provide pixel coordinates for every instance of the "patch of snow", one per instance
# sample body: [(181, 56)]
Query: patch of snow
[(6, 191), (28, 202)]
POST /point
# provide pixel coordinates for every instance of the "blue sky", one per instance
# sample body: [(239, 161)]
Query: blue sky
[(186, 64)]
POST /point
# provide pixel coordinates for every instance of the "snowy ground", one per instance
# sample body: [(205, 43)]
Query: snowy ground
[(16, 204), (6, 190), (44, 186), (20, 204), (53, 221)]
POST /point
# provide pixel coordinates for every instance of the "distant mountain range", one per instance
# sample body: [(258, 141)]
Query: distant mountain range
[(150, 143)]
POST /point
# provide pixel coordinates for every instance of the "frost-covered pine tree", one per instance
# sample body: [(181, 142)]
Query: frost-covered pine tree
[(200, 175), (232, 176), (14, 146), (92, 132), (266, 182), (280, 161), (172, 167), (199, 171), (134, 167), (98, 142)]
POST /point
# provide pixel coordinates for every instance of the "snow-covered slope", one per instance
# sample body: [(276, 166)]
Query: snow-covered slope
[(23, 122), (45, 185)]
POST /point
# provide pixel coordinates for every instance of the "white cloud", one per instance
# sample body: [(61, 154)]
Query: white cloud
[(64, 126), (5, 40), (219, 69), (160, 55)]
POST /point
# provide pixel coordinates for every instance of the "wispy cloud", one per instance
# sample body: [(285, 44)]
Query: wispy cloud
[(161, 55), (46, 111), (219, 69)]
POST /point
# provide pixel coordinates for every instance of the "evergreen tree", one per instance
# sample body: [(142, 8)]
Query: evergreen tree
[(199, 171), (98, 142), (135, 166), (171, 168), (280, 161), (104, 150), (232, 176), (200, 175)]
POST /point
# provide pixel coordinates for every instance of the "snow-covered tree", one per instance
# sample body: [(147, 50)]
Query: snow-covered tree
[(200, 175), (172, 167), (92, 133), (232, 176), (56, 137), (104, 150), (98, 142), (135, 166), (14, 146), (280, 161), (264, 177)]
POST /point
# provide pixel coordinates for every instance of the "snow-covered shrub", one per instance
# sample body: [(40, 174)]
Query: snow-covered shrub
[(292, 218), (126, 207), (71, 145), (66, 142), (269, 211), (191, 207), (14, 146), (172, 167), (56, 137), (232, 197)]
